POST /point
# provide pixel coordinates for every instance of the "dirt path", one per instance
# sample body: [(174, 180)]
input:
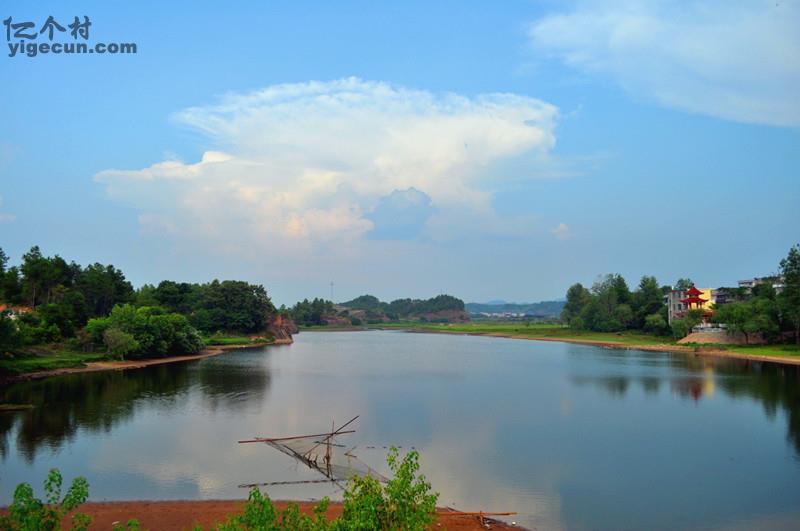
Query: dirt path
[(180, 515)]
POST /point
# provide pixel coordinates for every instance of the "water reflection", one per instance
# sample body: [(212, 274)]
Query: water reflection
[(775, 387), (99, 402)]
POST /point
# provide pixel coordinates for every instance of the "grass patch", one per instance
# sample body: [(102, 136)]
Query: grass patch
[(46, 359), (559, 332), (228, 340), (786, 351)]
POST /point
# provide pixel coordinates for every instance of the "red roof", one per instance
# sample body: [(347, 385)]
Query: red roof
[(693, 291), (694, 300)]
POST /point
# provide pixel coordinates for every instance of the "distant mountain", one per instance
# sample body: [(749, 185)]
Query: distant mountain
[(542, 310)]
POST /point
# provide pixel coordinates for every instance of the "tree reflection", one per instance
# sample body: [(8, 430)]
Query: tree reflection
[(97, 402), (776, 387), (232, 386)]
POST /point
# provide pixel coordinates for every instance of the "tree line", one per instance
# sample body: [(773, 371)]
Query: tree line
[(50, 300), (404, 308), (611, 306), (312, 313)]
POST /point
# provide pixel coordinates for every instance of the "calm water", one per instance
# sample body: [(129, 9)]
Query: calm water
[(570, 436)]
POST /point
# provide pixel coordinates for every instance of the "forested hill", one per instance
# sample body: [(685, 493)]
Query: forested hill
[(542, 310), (445, 307)]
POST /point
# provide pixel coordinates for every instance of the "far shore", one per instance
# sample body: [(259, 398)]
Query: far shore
[(121, 365), (700, 350), (177, 515)]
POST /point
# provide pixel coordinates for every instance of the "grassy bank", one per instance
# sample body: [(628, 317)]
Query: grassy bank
[(531, 331), (46, 358), (54, 357), (552, 332), (231, 340)]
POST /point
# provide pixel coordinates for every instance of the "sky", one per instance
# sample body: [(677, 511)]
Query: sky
[(491, 150)]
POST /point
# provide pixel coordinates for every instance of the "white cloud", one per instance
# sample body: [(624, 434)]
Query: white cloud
[(5, 216), (734, 60), (305, 164), (562, 231)]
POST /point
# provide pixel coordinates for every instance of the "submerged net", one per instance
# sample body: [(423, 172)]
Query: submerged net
[(324, 455)]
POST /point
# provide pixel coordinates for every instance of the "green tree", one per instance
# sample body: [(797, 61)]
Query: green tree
[(145, 296), (648, 299), (656, 324), (34, 272), (577, 298), (103, 287), (683, 284), (119, 343), (11, 286), (789, 299), (602, 313), (9, 334), (758, 315), (232, 305), (156, 332)]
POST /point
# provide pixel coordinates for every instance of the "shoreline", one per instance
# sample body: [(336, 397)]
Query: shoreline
[(678, 349), (121, 365), (175, 515)]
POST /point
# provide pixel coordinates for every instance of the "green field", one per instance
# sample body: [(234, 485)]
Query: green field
[(531, 331), (558, 332)]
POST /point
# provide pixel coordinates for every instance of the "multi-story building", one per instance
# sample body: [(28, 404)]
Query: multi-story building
[(681, 301), (750, 283)]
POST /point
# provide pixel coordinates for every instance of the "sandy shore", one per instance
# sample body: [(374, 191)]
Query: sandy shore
[(95, 366), (180, 515)]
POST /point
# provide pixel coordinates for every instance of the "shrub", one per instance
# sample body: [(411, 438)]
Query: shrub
[(406, 503), (154, 332), (27, 513), (680, 328), (655, 324), (119, 343)]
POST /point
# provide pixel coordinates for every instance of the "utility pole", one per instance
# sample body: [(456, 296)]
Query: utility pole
[(331, 290)]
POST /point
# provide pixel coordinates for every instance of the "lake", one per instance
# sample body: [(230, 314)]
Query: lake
[(570, 436)]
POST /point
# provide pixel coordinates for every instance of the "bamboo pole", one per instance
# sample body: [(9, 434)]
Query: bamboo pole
[(271, 439)]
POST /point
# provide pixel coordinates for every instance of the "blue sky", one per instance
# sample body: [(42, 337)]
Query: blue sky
[(489, 150)]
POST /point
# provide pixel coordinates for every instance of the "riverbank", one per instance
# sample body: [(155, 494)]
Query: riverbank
[(119, 365), (785, 355), (180, 515)]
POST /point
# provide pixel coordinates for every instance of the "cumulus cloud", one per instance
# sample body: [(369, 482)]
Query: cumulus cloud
[(730, 59), (562, 231), (332, 161)]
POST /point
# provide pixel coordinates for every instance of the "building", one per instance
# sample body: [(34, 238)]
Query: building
[(776, 281), (681, 301), (14, 311)]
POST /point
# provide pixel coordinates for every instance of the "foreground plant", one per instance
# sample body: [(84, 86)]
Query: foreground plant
[(405, 503), (28, 513)]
